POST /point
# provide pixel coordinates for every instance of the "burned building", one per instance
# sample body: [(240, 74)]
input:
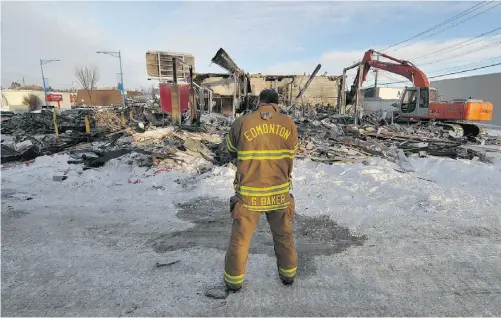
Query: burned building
[(236, 90), (322, 91)]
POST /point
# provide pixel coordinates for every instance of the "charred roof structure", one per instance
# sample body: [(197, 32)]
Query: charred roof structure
[(241, 81), (159, 65)]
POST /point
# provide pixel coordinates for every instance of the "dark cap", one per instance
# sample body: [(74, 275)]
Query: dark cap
[(268, 96)]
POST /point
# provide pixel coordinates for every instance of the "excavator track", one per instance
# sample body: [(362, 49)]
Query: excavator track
[(470, 129), (460, 129), (455, 130)]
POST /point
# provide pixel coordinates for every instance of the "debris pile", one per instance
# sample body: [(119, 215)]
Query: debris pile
[(335, 138), (151, 139), (26, 136), (111, 120), (29, 147), (170, 148), (43, 122)]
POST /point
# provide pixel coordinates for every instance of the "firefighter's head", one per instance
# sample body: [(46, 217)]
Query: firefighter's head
[(268, 96)]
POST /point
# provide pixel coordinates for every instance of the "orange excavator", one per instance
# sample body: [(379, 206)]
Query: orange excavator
[(421, 101)]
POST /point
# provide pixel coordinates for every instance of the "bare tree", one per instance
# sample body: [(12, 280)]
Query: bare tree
[(87, 76), (15, 85), (32, 101), (149, 93)]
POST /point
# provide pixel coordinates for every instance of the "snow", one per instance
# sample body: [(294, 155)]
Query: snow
[(81, 246), (495, 132)]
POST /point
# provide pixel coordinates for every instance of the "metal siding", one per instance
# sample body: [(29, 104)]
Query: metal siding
[(166, 97), (184, 97)]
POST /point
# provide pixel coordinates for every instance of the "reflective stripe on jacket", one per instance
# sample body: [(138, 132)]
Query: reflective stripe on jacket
[(264, 142)]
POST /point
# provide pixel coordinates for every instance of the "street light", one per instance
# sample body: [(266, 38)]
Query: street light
[(42, 63), (119, 56)]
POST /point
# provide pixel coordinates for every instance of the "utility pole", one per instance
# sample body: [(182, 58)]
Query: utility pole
[(359, 93), (176, 107), (119, 56), (235, 101), (42, 63), (121, 77), (375, 79)]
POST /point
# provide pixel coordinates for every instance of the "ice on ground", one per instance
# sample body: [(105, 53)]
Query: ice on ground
[(85, 246)]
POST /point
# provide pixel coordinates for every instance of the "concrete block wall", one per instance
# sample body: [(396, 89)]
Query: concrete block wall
[(323, 89)]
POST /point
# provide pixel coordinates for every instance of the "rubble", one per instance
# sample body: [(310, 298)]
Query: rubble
[(43, 122), (151, 140), (335, 138)]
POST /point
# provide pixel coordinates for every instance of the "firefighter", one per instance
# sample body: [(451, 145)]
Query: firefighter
[(264, 143)]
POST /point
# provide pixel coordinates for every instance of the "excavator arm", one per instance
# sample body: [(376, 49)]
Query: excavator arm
[(400, 67)]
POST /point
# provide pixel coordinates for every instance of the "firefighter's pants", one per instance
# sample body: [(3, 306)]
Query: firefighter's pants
[(244, 225)]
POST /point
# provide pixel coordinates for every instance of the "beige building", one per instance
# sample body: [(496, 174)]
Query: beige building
[(13, 99), (323, 90), (384, 92), (99, 97)]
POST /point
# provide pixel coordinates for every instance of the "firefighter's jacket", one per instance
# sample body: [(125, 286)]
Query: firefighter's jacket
[(264, 143)]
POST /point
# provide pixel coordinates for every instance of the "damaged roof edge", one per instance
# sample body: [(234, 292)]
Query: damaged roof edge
[(169, 53), (206, 75), (259, 75)]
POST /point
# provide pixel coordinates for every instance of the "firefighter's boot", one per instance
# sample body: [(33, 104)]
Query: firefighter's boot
[(286, 280), (233, 288)]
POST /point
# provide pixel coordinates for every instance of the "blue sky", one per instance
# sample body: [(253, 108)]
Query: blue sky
[(267, 37)]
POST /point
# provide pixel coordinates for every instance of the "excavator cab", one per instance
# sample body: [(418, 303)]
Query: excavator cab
[(415, 101)]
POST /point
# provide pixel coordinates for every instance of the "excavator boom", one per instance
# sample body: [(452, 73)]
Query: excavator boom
[(401, 67)]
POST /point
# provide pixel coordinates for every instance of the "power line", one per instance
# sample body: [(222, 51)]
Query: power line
[(369, 83), (462, 21), (387, 74), (440, 24), (476, 50), (466, 65), (453, 73), (465, 71), (382, 73), (460, 44)]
